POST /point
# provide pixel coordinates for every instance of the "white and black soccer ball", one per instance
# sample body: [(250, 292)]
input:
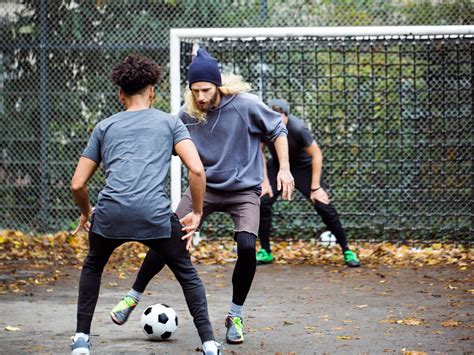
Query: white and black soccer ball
[(159, 321), (327, 239)]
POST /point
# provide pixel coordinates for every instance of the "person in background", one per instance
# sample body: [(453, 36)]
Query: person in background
[(306, 161)]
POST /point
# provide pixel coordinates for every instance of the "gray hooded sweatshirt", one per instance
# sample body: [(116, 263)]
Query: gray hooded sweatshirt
[(228, 141)]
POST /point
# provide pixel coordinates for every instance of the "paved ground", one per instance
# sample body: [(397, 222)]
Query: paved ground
[(302, 309)]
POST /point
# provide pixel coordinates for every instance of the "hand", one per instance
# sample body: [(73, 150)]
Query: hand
[(320, 195), (191, 223), (266, 188), (286, 183), (84, 222)]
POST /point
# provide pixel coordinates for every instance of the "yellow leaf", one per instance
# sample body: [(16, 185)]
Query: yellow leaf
[(450, 323), (436, 246), (410, 321), (141, 255), (2, 239), (414, 352), (346, 337), (452, 287), (362, 306), (12, 329)]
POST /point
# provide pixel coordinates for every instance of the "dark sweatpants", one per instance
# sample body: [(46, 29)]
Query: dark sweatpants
[(171, 251), (302, 178)]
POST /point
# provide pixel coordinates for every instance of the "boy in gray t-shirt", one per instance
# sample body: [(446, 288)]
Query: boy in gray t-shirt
[(135, 148)]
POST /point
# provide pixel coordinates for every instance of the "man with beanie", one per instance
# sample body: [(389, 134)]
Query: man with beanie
[(227, 125), (306, 162), (135, 148)]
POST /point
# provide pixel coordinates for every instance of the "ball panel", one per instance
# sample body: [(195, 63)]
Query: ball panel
[(166, 335), (148, 329), (163, 318)]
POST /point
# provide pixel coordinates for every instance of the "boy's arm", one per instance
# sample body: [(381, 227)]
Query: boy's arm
[(285, 181), (84, 171), (266, 186), (317, 192), (187, 151)]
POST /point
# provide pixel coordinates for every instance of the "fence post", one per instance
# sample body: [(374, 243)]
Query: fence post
[(43, 109)]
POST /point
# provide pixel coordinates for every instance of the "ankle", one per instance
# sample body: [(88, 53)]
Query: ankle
[(81, 335), (209, 346)]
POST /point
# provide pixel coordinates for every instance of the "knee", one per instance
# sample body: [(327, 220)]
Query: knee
[(246, 243)]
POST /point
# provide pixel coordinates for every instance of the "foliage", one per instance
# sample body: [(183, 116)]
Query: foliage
[(55, 86), (48, 256)]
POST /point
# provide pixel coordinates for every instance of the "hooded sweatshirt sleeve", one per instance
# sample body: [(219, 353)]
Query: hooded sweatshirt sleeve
[(265, 121)]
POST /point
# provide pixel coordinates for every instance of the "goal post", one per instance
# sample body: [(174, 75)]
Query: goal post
[(308, 35)]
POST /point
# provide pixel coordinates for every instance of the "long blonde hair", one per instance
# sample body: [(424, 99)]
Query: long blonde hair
[(231, 84)]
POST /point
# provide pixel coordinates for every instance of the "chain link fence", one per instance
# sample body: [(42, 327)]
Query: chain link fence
[(393, 116), (56, 58)]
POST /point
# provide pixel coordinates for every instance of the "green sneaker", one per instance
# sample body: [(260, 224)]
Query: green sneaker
[(350, 258), (235, 330), (264, 257), (122, 310)]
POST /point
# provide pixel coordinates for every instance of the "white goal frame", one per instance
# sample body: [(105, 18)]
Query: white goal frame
[(176, 35)]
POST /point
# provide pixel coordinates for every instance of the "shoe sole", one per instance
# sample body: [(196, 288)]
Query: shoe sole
[(264, 262), (115, 320), (81, 351), (356, 265), (240, 341)]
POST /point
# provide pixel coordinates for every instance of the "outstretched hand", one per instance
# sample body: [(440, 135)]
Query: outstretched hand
[(190, 224), (84, 222), (285, 184)]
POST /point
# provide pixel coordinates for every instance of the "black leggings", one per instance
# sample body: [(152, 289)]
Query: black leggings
[(170, 251), (302, 178), (242, 277)]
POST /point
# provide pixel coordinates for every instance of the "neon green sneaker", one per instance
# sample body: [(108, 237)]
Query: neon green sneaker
[(264, 257), (351, 259), (122, 310), (235, 330)]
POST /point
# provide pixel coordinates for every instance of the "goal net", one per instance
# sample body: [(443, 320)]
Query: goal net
[(390, 107)]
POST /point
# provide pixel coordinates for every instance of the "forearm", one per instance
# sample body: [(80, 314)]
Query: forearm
[(281, 147), (316, 167), (197, 185), (81, 197)]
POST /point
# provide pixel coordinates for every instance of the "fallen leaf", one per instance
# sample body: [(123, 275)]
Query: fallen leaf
[(450, 323), (362, 306), (12, 329), (346, 337), (410, 321)]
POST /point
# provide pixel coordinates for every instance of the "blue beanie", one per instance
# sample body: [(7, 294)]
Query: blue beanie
[(204, 68), (281, 104)]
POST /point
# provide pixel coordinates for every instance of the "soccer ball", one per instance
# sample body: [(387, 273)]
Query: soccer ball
[(327, 239), (159, 321)]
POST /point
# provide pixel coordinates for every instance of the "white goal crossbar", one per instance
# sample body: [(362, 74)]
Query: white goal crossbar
[(176, 35)]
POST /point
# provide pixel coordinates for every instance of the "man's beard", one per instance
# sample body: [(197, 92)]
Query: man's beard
[(209, 105)]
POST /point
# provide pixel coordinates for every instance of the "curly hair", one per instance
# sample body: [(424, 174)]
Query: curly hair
[(135, 73)]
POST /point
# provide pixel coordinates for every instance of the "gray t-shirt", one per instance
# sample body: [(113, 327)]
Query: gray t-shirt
[(135, 149)]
